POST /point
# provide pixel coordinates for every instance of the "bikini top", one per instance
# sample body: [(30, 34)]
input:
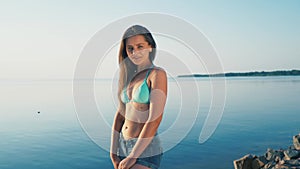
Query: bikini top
[(140, 95)]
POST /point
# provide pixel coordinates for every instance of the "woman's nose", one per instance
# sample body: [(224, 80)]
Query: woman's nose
[(135, 51)]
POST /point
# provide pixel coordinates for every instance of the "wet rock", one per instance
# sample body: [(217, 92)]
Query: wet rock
[(274, 155), (259, 162), (273, 159), (291, 154), (270, 154), (244, 162), (280, 166), (295, 162), (296, 141), (269, 165)]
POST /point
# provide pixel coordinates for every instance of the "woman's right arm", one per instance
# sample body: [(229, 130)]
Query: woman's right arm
[(116, 129)]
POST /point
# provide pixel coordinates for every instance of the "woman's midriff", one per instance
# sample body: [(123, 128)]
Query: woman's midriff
[(136, 115)]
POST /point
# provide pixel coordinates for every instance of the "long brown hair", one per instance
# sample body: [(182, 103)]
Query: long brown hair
[(126, 66)]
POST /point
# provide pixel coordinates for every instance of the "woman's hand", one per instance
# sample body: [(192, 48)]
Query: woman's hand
[(127, 163), (115, 160)]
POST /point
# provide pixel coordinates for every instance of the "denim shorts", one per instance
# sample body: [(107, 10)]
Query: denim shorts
[(151, 157)]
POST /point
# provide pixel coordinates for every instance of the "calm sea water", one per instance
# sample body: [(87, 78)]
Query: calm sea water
[(259, 112)]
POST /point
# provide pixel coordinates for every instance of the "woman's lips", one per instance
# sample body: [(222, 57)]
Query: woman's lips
[(136, 58)]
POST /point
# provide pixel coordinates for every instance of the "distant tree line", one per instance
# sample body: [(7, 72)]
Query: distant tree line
[(256, 73)]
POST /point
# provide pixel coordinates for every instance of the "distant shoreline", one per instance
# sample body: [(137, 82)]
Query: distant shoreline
[(247, 74)]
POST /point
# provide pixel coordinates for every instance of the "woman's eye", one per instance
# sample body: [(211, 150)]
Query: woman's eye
[(140, 47), (130, 49)]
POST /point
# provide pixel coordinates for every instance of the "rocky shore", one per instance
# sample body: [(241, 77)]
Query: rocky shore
[(273, 159)]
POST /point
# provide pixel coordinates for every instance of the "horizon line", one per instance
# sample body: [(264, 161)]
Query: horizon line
[(108, 78)]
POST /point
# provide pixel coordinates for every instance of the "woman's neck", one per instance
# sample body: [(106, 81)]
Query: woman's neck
[(143, 67)]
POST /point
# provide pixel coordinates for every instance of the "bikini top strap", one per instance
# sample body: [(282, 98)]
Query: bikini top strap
[(149, 72)]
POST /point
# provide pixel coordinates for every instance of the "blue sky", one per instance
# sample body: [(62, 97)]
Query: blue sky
[(43, 39)]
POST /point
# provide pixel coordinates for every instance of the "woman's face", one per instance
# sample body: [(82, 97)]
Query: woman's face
[(138, 49)]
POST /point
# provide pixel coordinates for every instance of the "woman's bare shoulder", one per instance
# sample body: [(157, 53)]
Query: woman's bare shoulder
[(159, 72), (158, 75)]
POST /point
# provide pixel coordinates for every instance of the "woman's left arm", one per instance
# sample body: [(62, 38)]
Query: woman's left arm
[(156, 108)]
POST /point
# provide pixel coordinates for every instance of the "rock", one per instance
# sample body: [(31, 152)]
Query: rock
[(294, 162), (273, 159), (279, 166), (292, 147), (281, 162), (279, 155), (244, 162), (296, 141), (269, 165), (290, 164), (274, 155), (270, 154), (259, 162), (291, 154)]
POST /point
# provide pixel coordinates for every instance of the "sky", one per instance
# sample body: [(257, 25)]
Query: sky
[(44, 39)]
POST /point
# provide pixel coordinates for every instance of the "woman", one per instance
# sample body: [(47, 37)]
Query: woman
[(142, 97)]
